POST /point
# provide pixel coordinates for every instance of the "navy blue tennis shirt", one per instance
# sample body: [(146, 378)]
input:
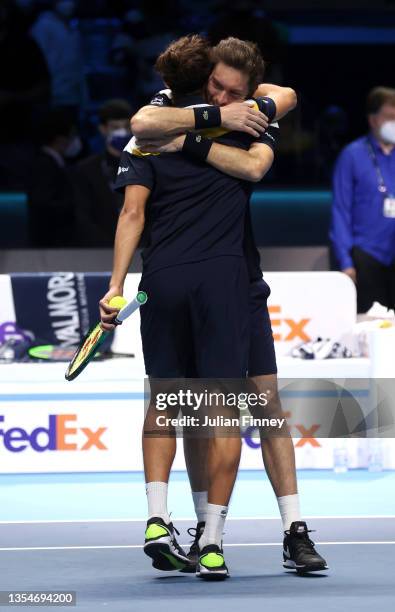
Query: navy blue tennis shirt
[(357, 211), (195, 212)]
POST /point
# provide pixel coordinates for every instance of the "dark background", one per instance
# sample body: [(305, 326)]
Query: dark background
[(331, 56)]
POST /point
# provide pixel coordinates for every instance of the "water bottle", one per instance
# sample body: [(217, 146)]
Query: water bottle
[(375, 462), (340, 458)]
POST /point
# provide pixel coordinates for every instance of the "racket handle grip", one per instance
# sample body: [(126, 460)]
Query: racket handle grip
[(127, 310)]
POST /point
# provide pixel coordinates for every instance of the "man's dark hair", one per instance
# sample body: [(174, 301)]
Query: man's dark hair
[(242, 55), (116, 108), (58, 122), (185, 65), (377, 97)]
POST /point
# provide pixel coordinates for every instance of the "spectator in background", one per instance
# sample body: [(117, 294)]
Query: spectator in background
[(363, 213), (97, 204), (50, 193), (60, 43), (24, 95)]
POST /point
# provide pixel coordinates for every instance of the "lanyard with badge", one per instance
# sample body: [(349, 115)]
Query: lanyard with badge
[(389, 198)]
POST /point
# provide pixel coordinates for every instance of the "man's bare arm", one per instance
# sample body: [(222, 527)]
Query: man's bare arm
[(249, 165), (129, 229), (154, 121), (158, 122), (284, 97)]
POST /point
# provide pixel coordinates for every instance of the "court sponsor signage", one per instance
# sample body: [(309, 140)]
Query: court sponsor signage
[(306, 305), (70, 436), (58, 308), (60, 434)]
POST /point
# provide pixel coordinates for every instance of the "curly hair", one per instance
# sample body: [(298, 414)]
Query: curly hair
[(185, 64)]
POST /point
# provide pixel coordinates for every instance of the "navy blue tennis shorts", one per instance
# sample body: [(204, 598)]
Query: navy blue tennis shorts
[(196, 321), (262, 357)]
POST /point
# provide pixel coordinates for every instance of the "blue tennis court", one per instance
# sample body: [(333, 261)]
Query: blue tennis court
[(84, 532)]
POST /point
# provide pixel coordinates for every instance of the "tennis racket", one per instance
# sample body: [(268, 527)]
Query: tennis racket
[(96, 335)]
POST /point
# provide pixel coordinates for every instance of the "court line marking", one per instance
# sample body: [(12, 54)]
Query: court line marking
[(190, 519), (136, 546)]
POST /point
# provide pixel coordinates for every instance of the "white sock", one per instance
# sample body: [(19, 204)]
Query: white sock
[(289, 509), (157, 500), (200, 503), (215, 521)]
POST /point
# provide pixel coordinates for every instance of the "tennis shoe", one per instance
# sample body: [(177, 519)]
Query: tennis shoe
[(161, 545), (299, 552), (211, 564)]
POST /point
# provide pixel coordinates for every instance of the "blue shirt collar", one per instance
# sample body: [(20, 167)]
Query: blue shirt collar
[(376, 146)]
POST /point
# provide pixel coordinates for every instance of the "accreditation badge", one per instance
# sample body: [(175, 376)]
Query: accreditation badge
[(389, 207)]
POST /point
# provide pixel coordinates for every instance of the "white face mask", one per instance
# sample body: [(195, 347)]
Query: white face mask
[(387, 132), (74, 148)]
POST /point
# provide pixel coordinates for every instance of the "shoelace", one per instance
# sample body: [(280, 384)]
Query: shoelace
[(304, 542), (172, 528), (175, 543), (195, 533), (192, 531)]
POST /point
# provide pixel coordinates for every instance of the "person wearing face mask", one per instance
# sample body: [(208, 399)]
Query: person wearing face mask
[(60, 43), (97, 204), (50, 193), (363, 212)]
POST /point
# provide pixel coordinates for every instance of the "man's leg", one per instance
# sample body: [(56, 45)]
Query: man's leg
[(277, 447), (278, 455), (220, 319), (159, 449), (372, 280), (164, 329), (195, 453)]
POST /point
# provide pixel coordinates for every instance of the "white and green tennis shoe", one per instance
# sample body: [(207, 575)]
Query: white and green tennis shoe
[(161, 545), (211, 564)]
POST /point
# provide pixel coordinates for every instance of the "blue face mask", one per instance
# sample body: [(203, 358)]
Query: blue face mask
[(118, 139)]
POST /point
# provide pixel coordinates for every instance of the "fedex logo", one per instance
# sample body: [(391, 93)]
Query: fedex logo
[(60, 435), (294, 329), (306, 434)]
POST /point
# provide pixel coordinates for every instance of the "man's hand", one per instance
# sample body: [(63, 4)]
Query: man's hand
[(352, 273), (240, 117), (107, 313), (161, 145)]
